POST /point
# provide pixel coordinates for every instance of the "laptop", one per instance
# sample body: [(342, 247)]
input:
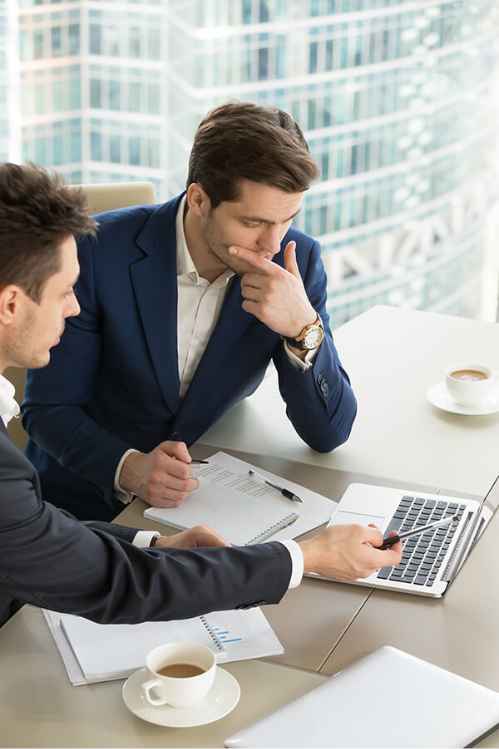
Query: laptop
[(431, 561), (386, 699)]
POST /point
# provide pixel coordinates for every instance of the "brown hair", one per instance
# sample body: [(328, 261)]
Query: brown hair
[(37, 212), (245, 141)]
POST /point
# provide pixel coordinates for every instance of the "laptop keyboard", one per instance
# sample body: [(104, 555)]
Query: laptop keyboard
[(422, 555)]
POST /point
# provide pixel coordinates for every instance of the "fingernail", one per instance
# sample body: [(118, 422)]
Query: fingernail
[(232, 251)]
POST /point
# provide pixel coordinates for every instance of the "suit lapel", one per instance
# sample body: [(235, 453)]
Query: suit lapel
[(154, 280)]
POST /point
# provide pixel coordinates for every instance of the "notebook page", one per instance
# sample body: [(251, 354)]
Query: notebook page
[(244, 509), (114, 651)]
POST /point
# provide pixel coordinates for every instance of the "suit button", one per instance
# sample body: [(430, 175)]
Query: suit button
[(324, 387)]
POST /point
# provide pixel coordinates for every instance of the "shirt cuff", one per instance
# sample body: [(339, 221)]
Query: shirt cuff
[(122, 494), (303, 364), (297, 563), (143, 539)]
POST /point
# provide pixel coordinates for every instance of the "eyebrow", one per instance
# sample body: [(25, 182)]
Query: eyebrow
[(266, 221)]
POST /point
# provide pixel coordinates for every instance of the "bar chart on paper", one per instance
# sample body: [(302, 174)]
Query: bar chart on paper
[(101, 652)]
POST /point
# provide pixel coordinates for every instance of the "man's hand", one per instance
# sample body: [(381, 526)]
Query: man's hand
[(276, 296), (161, 478), (193, 538), (347, 552)]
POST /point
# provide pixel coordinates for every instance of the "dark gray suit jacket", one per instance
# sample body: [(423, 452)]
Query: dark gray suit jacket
[(51, 560)]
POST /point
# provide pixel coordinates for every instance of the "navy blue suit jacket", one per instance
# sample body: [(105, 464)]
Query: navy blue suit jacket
[(113, 381)]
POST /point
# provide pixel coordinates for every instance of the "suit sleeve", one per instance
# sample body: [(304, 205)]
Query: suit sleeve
[(118, 531), (50, 560), (320, 402), (54, 413)]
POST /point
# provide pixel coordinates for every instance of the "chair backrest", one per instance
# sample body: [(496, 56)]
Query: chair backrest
[(106, 197), (100, 198)]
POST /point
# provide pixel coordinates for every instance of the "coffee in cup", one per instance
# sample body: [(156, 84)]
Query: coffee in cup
[(182, 674), (181, 670), (471, 385), (468, 374)]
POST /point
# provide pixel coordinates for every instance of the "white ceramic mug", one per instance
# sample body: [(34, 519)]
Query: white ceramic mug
[(179, 691), (468, 390)]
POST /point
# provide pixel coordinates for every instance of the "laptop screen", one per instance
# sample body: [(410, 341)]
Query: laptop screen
[(478, 525)]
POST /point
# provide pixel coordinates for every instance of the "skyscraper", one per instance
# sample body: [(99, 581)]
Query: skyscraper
[(94, 89), (9, 82), (393, 96)]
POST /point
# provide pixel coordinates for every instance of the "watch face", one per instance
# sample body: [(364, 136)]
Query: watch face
[(313, 338)]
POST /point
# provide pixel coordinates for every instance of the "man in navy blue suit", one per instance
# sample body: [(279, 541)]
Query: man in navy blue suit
[(183, 306)]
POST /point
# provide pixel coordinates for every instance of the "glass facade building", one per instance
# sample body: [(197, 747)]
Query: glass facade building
[(395, 101), (9, 88), (94, 94), (394, 96)]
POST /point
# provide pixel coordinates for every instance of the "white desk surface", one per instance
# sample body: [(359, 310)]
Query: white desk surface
[(392, 357), (39, 707)]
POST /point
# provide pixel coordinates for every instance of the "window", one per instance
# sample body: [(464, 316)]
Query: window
[(56, 37), (95, 39), (95, 146), (38, 44), (134, 151), (115, 149), (114, 95), (95, 93), (74, 38)]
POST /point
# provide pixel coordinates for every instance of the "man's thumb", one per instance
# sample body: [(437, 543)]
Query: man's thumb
[(290, 259)]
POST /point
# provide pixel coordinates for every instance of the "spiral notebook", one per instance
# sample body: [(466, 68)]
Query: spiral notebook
[(103, 652), (243, 508)]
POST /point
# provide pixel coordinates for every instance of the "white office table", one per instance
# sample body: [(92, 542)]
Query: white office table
[(392, 357), (39, 707)]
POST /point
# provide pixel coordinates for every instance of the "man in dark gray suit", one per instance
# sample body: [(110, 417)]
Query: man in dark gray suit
[(96, 570)]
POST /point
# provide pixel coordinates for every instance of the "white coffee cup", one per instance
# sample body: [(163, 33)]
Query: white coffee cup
[(179, 691), (471, 384)]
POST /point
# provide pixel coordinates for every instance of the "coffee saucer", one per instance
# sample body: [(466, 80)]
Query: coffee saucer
[(438, 395), (220, 700)]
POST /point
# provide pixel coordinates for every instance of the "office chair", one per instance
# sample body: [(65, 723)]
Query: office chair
[(100, 198)]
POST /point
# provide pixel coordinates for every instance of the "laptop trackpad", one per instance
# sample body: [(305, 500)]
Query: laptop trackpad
[(342, 517)]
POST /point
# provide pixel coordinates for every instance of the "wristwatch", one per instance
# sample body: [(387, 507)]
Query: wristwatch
[(310, 337)]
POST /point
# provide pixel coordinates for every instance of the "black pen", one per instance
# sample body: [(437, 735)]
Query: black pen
[(198, 462), (285, 492), (391, 540)]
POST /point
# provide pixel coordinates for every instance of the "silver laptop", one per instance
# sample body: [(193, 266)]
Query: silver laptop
[(386, 699), (432, 560)]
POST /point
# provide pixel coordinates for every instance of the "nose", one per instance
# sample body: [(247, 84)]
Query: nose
[(73, 308), (270, 240)]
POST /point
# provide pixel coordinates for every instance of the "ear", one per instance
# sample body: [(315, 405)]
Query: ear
[(11, 300), (198, 200)]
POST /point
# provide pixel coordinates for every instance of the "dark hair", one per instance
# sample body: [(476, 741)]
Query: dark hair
[(245, 141), (37, 212)]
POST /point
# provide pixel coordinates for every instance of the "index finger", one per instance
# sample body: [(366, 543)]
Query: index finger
[(176, 450), (389, 557), (257, 262), (373, 535)]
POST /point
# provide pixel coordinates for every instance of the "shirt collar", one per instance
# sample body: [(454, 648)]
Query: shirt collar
[(185, 266), (8, 405)]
